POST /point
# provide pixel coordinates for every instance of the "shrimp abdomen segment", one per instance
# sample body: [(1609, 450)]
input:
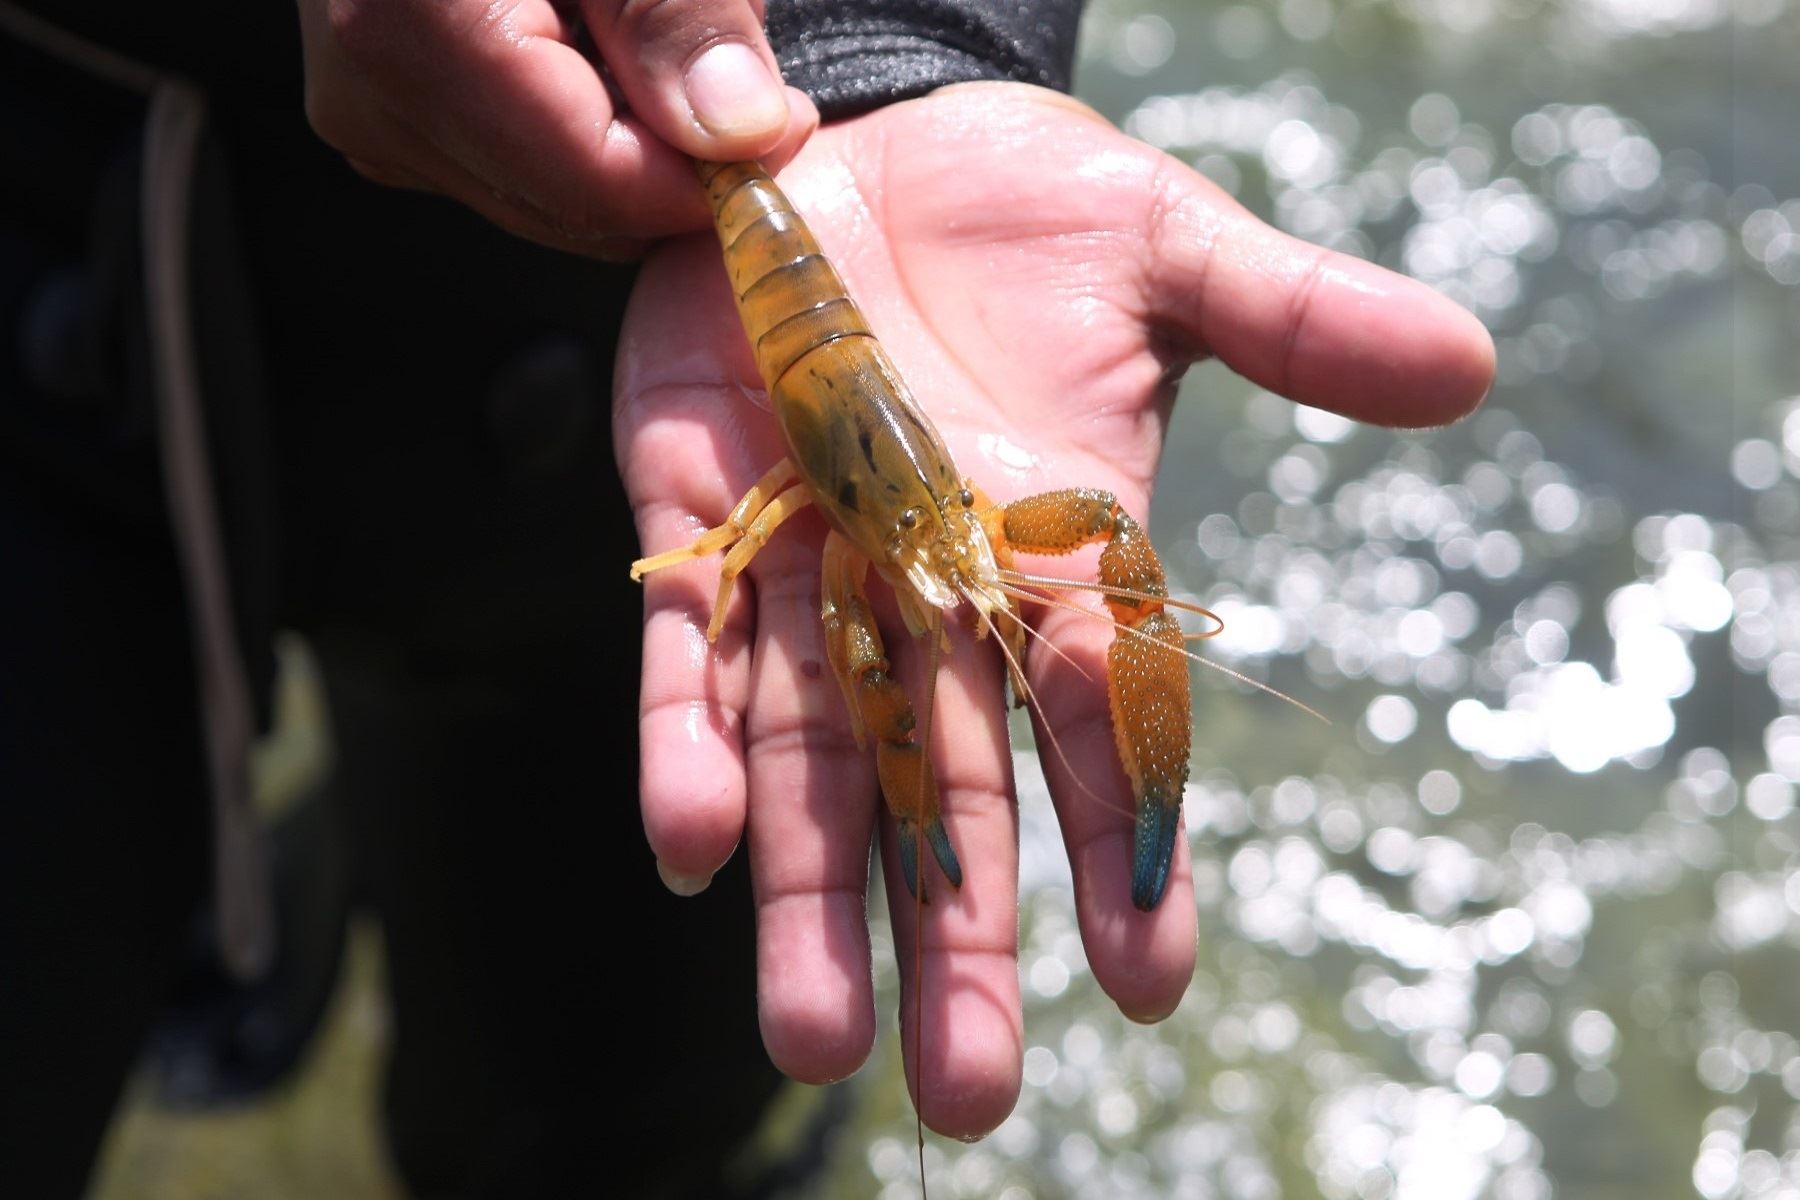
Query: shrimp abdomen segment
[(791, 298), (1147, 677), (859, 440)]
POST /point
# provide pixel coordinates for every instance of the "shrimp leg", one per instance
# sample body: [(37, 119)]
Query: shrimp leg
[(879, 706), (745, 532), (1147, 676)]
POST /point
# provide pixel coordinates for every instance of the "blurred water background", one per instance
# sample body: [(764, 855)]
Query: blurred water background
[(1522, 923)]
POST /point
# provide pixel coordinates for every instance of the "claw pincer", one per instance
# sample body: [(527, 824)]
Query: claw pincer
[(1147, 675)]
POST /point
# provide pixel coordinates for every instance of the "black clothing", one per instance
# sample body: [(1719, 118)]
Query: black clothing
[(848, 55), (408, 418), (854, 55)]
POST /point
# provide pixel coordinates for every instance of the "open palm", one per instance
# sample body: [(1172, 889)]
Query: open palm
[(1041, 280)]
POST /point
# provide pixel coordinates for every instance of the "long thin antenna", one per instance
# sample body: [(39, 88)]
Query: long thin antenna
[(1058, 602), (1007, 575), (1042, 640), (936, 634), (1032, 700)]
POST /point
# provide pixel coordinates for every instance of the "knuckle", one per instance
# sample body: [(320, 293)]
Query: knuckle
[(586, 219), (329, 119), (620, 249), (817, 732), (375, 37), (591, 214), (357, 29), (676, 23), (379, 173), (345, 70)]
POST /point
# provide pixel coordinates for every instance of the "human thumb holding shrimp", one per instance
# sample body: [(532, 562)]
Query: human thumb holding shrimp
[(504, 107)]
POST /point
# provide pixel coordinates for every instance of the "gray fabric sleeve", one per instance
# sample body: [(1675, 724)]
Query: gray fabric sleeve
[(854, 55)]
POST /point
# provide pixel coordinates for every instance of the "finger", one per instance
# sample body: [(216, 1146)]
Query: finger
[(1316, 326), (682, 418), (451, 179), (700, 73), (502, 92), (1144, 961), (391, 175), (694, 693), (689, 445), (414, 164), (964, 1044), (690, 712), (813, 812)]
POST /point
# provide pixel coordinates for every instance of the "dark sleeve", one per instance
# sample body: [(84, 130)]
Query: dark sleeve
[(854, 55)]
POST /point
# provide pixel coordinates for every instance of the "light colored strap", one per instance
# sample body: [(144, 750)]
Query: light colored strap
[(177, 113), (59, 43), (240, 858)]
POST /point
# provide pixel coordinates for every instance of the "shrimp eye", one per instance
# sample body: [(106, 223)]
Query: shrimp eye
[(967, 497), (908, 518)]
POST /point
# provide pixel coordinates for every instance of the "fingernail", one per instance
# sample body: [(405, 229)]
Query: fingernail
[(680, 884), (1148, 1017), (733, 93)]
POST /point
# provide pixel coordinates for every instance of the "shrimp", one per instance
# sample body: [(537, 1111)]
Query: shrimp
[(864, 455)]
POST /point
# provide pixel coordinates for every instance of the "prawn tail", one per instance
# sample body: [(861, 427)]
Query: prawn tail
[(792, 301)]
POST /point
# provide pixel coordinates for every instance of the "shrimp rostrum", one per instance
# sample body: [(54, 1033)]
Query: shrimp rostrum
[(863, 454)]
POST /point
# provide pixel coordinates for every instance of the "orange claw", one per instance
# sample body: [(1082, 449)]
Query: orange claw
[(1147, 677)]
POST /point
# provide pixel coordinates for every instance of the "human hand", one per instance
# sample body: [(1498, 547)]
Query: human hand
[(1041, 279), (493, 103)]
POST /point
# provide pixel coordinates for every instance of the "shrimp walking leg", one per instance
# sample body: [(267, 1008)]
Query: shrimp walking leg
[(721, 536), (1147, 677), (878, 706), (745, 532)]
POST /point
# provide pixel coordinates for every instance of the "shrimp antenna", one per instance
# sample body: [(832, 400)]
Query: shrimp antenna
[(1020, 578), (1018, 673), (936, 632), (1046, 642), (1058, 602)]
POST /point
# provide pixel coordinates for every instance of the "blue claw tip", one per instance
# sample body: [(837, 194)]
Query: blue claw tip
[(909, 856), (1154, 850), (939, 840)]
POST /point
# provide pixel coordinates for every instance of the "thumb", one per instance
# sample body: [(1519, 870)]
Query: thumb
[(701, 75), (1320, 327)]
